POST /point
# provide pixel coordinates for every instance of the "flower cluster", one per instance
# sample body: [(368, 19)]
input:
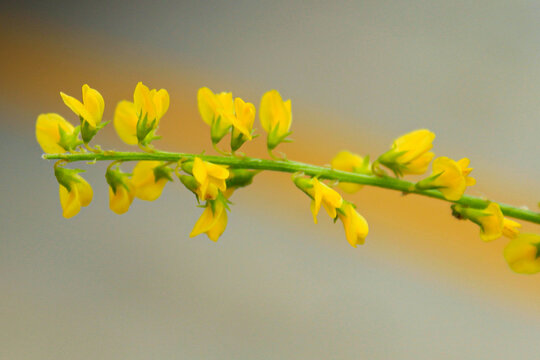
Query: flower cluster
[(214, 179)]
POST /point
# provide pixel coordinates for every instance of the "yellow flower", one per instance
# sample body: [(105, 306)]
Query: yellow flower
[(210, 178), (356, 227), (322, 194), (410, 153), (346, 161), (150, 104), (276, 117), (242, 123), (91, 109), (213, 220), (217, 110), (121, 199), (523, 254), (510, 228), (449, 177), (147, 187), (492, 223), (79, 194), (55, 135), (133, 121)]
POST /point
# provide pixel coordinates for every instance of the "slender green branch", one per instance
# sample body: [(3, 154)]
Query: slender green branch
[(293, 167)]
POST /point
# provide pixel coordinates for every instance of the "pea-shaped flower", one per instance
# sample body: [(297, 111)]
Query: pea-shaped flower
[(75, 192), (410, 153), (121, 190), (149, 179), (449, 177), (276, 118), (490, 220), (90, 109), (55, 135), (213, 220), (347, 161), (210, 177), (242, 123), (217, 110), (356, 227), (135, 122), (523, 254)]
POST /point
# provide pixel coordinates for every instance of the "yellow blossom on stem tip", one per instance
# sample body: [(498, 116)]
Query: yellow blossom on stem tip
[(449, 177), (149, 179), (217, 110), (523, 254), (55, 135), (213, 220), (91, 109), (410, 153), (78, 195), (347, 161), (356, 227), (323, 194), (210, 178), (242, 123), (276, 117)]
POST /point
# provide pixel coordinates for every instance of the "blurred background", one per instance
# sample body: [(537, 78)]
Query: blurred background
[(275, 285)]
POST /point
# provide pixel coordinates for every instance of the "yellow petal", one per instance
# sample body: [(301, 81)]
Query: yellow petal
[(144, 105), (47, 133), (419, 164), (120, 201), (125, 122), (208, 104), (245, 116), (273, 112), (414, 144), (451, 178), (356, 227), (161, 103), (218, 227), (520, 254), (491, 224), (94, 104), (78, 108), (85, 191), (70, 202), (511, 228), (143, 180)]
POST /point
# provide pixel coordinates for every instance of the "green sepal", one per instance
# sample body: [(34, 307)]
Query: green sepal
[(66, 177), (537, 245), (216, 132), (273, 140), (389, 159), (222, 199), (115, 178), (162, 172), (237, 140), (144, 128), (240, 178), (427, 183), (303, 183), (364, 168), (88, 131), (187, 166), (467, 213), (190, 183), (69, 141)]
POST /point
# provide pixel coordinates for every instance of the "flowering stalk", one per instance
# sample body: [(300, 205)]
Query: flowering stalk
[(289, 166), (214, 179)]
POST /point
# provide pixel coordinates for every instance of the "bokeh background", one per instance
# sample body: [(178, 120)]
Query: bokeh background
[(102, 286)]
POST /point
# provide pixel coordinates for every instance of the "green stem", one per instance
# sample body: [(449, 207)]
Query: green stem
[(293, 167)]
